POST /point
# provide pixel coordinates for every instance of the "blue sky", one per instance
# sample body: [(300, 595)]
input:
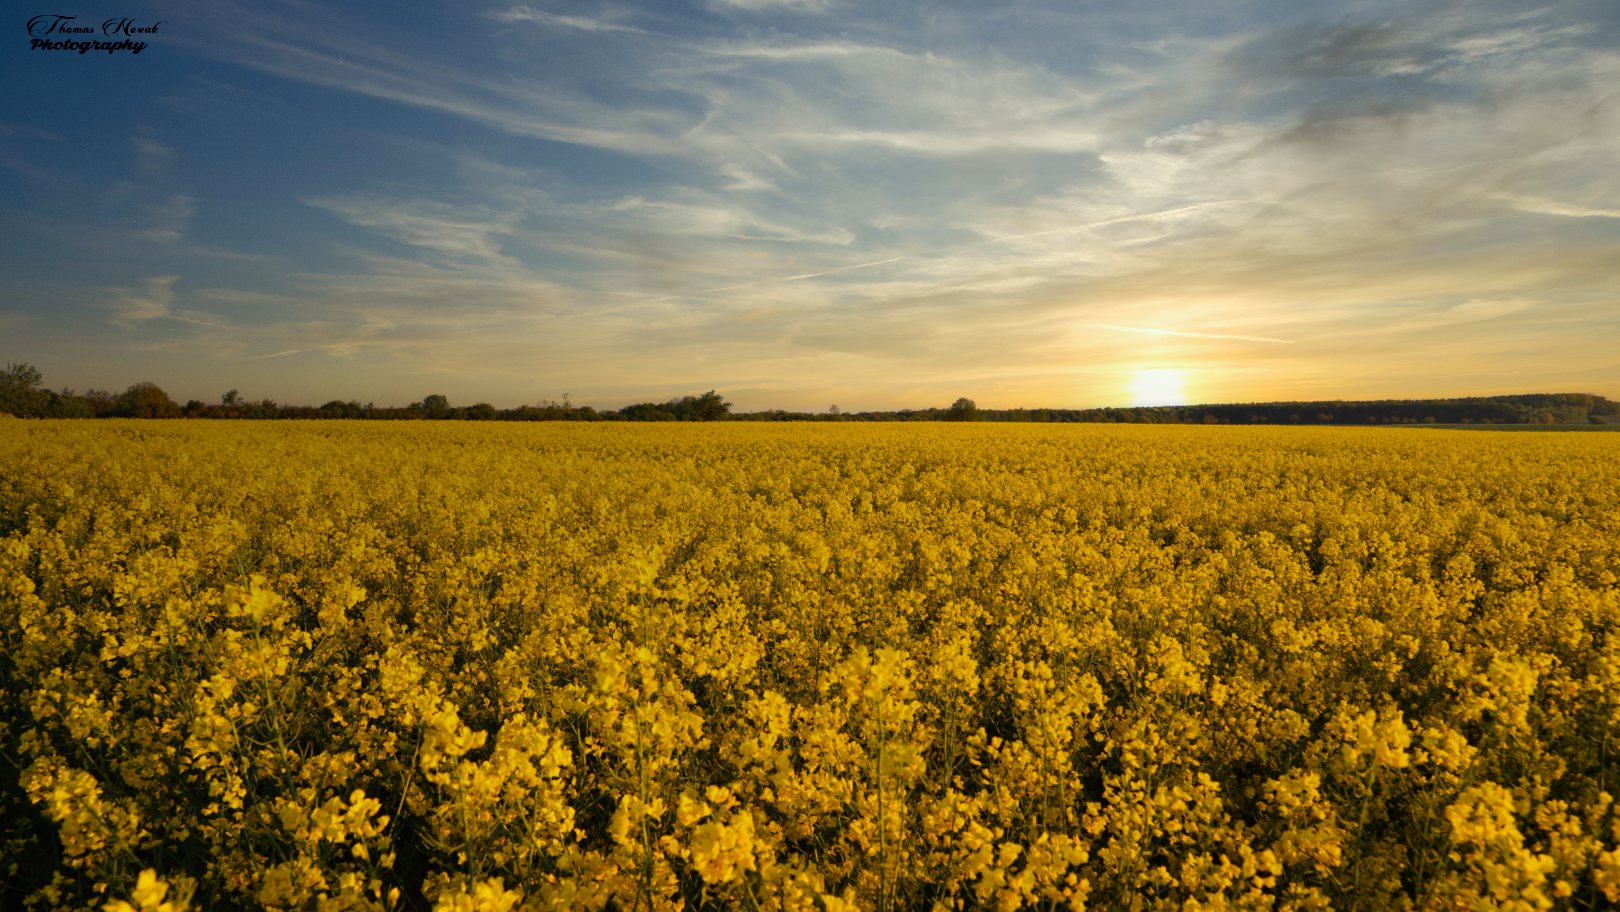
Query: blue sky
[(806, 202)]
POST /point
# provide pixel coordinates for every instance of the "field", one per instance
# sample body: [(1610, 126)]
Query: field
[(487, 666)]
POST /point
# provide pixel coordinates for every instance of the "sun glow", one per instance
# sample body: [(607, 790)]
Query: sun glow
[(1158, 386)]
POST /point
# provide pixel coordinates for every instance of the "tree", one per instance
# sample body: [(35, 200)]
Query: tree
[(647, 411), (145, 400), (231, 397), (434, 406), (20, 394), (101, 402), (67, 405), (710, 406), (963, 409), (337, 408)]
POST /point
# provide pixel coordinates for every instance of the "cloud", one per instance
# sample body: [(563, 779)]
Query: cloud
[(338, 57), (151, 156), (154, 301), (744, 179), (1514, 41), (942, 142), (541, 17), (812, 51), (459, 231), (1413, 51), (1473, 310), (802, 276), (167, 221), (796, 6), (706, 216), (25, 131), (1554, 207), (1188, 334)]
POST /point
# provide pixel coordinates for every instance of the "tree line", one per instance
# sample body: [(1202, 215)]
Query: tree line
[(22, 394)]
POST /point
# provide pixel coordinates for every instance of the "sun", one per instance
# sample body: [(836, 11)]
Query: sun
[(1158, 386)]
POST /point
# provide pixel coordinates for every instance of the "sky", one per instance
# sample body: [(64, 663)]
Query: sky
[(802, 203)]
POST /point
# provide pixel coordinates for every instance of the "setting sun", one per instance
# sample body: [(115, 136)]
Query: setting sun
[(1158, 386)]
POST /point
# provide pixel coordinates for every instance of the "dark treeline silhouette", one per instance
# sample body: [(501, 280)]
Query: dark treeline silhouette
[(1536, 408), (22, 394)]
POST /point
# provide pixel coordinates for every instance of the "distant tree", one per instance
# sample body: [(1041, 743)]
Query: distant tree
[(20, 394), (481, 411), (647, 411), (67, 405), (435, 406), (145, 400), (101, 402), (230, 398), (710, 406), (963, 409), (337, 408)]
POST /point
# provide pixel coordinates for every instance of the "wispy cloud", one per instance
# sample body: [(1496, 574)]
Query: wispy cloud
[(1188, 334), (541, 17), (799, 6), (814, 51), (459, 231), (338, 57), (1554, 207), (1473, 310), (154, 300), (152, 156), (166, 221), (25, 131), (802, 276)]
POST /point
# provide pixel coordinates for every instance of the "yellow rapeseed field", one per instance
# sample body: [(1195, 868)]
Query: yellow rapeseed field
[(834, 666)]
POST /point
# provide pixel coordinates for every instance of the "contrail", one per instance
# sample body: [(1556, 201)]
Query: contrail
[(1143, 330), (1554, 207), (796, 278), (812, 275), (1135, 217)]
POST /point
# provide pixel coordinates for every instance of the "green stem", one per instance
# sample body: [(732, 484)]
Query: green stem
[(645, 886), (883, 836)]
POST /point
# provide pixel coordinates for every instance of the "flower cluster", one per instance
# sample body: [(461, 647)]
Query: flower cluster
[(814, 667)]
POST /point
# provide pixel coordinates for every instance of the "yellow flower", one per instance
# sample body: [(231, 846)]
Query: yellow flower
[(151, 895), (719, 851), (485, 896)]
